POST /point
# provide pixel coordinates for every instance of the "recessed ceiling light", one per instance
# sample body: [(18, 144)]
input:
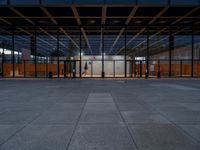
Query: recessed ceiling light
[(116, 21), (186, 21), (162, 21), (138, 21), (92, 21)]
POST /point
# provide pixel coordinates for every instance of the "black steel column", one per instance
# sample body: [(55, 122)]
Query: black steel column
[(13, 54), (80, 53), (102, 73), (181, 72), (192, 68), (35, 50), (125, 65), (58, 47), (147, 57), (171, 48), (3, 55), (24, 68)]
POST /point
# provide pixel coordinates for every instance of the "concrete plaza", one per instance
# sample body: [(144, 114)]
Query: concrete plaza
[(92, 114)]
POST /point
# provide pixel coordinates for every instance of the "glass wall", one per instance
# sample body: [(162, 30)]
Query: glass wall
[(155, 2), (196, 56), (140, 2), (6, 56), (56, 53), (184, 2), (24, 2), (56, 2)]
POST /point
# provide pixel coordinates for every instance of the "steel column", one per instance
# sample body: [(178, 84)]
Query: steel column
[(80, 53), (192, 67), (35, 50), (147, 57), (171, 48), (102, 73), (125, 65), (58, 47), (13, 54)]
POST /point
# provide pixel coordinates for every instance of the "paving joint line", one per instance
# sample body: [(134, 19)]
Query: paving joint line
[(77, 122), (124, 121)]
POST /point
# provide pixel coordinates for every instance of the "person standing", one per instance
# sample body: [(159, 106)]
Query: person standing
[(85, 72)]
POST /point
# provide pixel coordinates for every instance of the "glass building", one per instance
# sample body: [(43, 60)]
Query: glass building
[(99, 38)]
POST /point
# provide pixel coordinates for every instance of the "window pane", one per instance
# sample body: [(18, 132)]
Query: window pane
[(89, 1), (121, 2), (184, 2), (20, 2), (56, 1), (160, 2)]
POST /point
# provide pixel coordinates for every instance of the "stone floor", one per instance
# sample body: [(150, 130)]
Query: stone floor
[(100, 114)]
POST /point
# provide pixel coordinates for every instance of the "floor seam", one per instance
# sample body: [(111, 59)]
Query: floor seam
[(124, 122)]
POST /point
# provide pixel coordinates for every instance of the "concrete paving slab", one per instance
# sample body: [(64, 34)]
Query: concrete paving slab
[(100, 113), (136, 106), (100, 100), (183, 117), (40, 138), (162, 137), (101, 137), (142, 117), (60, 114), (193, 130), (19, 117), (7, 131)]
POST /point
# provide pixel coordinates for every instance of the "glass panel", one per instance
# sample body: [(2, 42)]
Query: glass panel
[(184, 2), (56, 1), (88, 1), (23, 52), (197, 56), (119, 68), (160, 2), (176, 68), (109, 68), (6, 55), (121, 2), (164, 68), (182, 51), (153, 68), (91, 53), (21, 2)]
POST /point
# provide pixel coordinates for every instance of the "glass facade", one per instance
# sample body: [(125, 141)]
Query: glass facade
[(140, 2), (103, 54), (24, 2)]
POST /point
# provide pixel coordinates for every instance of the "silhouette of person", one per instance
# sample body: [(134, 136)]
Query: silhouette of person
[(85, 69)]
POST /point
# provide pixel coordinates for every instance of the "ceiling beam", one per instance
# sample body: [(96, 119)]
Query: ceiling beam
[(184, 16), (174, 22), (21, 15), (123, 29), (56, 23), (149, 38), (104, 15), (76, 15), (162, 39), (5, 21), (144, 28)]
